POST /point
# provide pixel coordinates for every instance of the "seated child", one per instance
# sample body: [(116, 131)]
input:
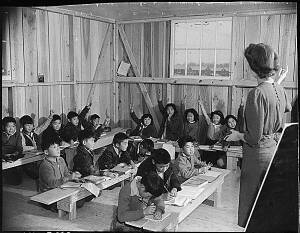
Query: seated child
[(187, 159), (75, 124), (11, 144), (142, 150), (84, 158), (96, 127), (53, 171), (53, 132), (191, 125), (139, 198), (30, 141), (214, 133), (159, 162), (145, 127), (116, 153)]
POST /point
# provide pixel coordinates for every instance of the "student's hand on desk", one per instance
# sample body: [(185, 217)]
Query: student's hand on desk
[(75, 175), (173, 192), (150, 210), (157, 215)]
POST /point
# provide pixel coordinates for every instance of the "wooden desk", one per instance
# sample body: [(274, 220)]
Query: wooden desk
[(232, 154), (108, 138), (214, 188), (66, 198), (28, 158)]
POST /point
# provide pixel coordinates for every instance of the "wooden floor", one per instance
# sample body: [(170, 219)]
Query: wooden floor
[(21, 214)]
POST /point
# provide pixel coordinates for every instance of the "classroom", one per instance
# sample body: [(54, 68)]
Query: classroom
[(150, 116)]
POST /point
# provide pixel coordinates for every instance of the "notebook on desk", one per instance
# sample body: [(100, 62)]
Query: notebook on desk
[(96, 179), (178, 201), (121, 169), (150, 217), (195, 181), (210, 176)]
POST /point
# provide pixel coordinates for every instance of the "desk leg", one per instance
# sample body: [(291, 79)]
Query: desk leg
[(231, 163), (68, 205), (217, 196), (60, 213)]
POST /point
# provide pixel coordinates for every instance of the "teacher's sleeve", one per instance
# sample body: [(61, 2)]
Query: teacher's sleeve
[(254, 115)]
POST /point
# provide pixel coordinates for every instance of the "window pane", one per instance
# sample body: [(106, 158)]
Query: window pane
[(223, 63), (193, 35), (224, 34), (207, 62), (4, 32), (179, 62), (208, 35), (193, 65), (180, 35)]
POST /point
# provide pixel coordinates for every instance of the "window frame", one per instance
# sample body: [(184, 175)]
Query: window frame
[(172, 50), (6, 39)]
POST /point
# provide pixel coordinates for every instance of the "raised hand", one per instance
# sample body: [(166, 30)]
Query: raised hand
[(159, 95), (282, 74), (131, 107)]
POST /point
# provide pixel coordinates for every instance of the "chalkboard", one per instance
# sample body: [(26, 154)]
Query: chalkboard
[(276, 206)]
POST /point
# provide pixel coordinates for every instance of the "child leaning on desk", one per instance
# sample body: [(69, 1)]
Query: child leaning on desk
[(53, 172), (187, 159), (140, 197)]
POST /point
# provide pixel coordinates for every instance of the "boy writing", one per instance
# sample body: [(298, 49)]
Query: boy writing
[(139, 198), (159, 162)]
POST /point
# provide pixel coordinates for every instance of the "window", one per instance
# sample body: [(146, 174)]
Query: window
[(6, 74), (201, 48)]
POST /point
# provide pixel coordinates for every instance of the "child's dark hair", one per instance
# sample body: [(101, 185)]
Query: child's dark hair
[(72, 114), (147, 144), (85, 134), (153, 184), (49, 143), (219, 113), (147, 115), (7, 120), (183, 140), (194, 112), (161, 156), (119, 137), (173, 106), (94, 116), (228, 117), (55, 118), (26, 119)]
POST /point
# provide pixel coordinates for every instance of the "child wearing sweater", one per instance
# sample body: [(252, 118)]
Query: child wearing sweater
[(53, 171), (139, 198), (187, 160)]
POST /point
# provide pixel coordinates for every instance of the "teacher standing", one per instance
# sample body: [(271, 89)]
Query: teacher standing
[(264, 112)]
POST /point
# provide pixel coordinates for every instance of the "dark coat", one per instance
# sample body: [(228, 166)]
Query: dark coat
[(170, 178), (83, 161), (174, 126), (147, 132), (110, 159), (50, 134), (11, 144)]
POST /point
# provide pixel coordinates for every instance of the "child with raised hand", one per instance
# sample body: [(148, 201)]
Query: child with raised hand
[(171, 126), (145, 127), (188, 159), (160, 162), (75, 124), (116, 153), (53, 171), (11, 144), (96, 127), (191, 125), (139, 198)]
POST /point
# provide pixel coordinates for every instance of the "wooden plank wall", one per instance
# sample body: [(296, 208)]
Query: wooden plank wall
[(150, 42), (64, 48)]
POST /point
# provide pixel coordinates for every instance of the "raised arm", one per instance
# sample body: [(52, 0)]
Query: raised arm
[(240, 116), (160, 104), (38, 130), (282, 74), (133, 115), (207, 119)]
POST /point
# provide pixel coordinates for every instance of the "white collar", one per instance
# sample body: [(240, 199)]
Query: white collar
[(116, 149)]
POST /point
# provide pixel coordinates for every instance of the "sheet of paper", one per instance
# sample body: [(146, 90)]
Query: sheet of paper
[(71, 184), (150, 217), (178, 201), (190, 192), (123, 68), (92, 188)]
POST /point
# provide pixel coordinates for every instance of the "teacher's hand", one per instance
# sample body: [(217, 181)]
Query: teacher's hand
[(234, 136)]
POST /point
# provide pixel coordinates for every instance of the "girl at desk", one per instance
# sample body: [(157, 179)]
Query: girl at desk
[(139, 198)]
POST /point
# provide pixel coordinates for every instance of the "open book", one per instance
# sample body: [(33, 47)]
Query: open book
[(195, 181), (178, 201), (190, 192), (121, 169)]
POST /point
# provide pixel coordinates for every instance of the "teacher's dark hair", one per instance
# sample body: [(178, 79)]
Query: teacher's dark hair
[(262, 59)]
